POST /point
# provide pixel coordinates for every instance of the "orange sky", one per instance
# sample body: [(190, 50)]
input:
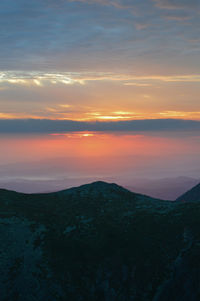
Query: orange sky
[(95, 145), (98, 96), (77, 158)]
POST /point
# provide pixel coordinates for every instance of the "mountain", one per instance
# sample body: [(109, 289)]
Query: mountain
[(191, 195), (98, 242), (166, 188)]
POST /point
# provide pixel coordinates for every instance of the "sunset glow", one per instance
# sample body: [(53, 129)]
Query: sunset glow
[(100, 80), (62, 160), (98, 96)]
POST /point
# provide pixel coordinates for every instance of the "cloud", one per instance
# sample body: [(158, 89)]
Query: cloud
[(63, 126), (114, 35), (137, 84), (120, 4), (63, 112), (100, 54), (178, 18), (39, 78), (177, 4), (127, 4)]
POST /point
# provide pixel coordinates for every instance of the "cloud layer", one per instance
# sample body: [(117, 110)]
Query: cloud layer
[(61, 126)]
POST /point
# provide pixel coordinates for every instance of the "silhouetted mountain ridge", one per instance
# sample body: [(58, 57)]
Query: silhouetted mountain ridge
[(98, 242), (98, 186)]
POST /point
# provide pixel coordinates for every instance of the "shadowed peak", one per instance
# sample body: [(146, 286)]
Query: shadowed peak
[(102, 184), (98, 187), (191, 195)]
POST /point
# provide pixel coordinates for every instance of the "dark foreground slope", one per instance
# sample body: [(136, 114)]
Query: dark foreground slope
[(191, 195), (98, 242)]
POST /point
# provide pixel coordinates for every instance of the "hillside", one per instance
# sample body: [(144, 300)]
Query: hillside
[(191, 195), (98, 242)]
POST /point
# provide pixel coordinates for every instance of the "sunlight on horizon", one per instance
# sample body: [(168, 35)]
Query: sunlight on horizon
[(70, 159)]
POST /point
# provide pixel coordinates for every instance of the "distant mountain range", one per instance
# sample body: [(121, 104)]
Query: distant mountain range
[(162, 188), (99, 242), (165, 188)]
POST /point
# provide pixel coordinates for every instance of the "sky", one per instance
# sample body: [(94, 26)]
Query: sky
[(99, 90), (104, 60)]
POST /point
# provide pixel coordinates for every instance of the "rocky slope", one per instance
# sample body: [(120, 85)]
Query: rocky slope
[(98, 242)]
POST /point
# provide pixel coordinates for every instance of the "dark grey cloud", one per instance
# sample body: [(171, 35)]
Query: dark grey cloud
[(62, 126)]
